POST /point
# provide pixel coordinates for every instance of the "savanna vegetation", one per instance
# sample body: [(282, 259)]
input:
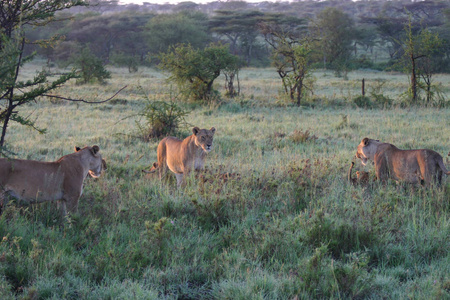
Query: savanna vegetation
[(272, 216)]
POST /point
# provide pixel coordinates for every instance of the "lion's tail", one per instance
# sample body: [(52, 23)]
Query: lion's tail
[(349, 176)]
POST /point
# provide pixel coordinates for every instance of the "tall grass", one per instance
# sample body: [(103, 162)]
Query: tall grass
[(272, 217)]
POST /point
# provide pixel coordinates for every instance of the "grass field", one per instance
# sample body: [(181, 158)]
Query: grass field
[(284, 223)]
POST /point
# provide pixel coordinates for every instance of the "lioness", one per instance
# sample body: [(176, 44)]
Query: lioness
[(362, 177), (30, 181), (180, 155), (412, 166)]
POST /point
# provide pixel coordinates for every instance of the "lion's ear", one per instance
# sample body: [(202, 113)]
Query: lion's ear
[(365, 141), (77, 149), (195, 130), (95, 149), (213, 130)]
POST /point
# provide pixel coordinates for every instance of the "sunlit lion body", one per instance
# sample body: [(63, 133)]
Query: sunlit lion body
[(30, 181), (412, 166), (180, 156)]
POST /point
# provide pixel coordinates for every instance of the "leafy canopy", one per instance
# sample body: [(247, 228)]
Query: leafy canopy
[(194, 70)]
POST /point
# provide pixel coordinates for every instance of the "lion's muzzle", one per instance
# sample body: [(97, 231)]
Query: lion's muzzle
[(207, 148)]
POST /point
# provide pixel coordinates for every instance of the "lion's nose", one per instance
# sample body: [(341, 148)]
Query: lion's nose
[(208, 146)]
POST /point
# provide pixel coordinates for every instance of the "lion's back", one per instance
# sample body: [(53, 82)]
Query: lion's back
[(27, 179)]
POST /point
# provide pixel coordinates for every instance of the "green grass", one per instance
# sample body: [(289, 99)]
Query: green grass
[(285, 224)]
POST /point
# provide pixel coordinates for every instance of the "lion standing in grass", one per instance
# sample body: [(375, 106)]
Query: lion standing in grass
[(29, 181), (181, 155), (412, 166)]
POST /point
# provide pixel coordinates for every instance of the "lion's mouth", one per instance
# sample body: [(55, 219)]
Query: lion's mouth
[(364, 160), (94, 174)]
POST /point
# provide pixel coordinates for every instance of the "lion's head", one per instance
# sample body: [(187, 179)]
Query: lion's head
[(366, 150), (96, 162), (204, 138)]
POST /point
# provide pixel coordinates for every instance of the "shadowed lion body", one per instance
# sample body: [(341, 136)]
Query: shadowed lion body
[(30, 181), (412, 166)]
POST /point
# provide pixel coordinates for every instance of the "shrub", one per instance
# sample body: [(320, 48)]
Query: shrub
[(362, 101), (300, 136), (162, 119), (129, 61), (91, 68), (194, 70)]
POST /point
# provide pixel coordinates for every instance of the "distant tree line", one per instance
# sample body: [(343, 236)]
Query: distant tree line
[(411, 37), (346, 33)]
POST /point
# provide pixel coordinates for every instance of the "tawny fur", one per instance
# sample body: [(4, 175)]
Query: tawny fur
[(362, 177), (181, 156), (30, 181), (412, 166)]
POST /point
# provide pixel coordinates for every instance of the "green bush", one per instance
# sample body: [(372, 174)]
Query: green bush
[(362, 101), (161, 118), (91, 68), (124, 60)]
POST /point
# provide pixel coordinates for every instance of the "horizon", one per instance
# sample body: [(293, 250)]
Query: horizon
[(140, 2)]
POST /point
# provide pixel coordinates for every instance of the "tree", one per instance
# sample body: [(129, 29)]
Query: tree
[(336, 31), (194, 70), (15, 15), (91, 67), (167, 30), (110, 34), (433, 48), (291, 55), (240, 28), (419, 51)]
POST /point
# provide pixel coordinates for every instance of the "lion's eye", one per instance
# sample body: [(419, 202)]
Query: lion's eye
[(203, 138)]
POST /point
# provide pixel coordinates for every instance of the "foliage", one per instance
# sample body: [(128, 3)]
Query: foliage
[(90, 67), (165, 31), (291, 56), (13, 93), (335, 30), (240, 28), (161, 119), (270, 218), (131, 62), (420, 50), (194, 71), (140, 34)]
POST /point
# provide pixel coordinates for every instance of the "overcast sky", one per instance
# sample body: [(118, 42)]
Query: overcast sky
[(178, 1)]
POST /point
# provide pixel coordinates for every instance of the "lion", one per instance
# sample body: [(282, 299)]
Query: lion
[(30, 181), (411, 166), (181, 155), (362, 177)]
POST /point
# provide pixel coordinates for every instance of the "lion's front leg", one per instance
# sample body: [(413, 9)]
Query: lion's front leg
[(61, 205), (180, 180), (3, 200), (381, 168), (72, 193), (199, 163)]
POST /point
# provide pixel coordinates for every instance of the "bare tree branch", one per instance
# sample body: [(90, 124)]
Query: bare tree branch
[(84, 101)]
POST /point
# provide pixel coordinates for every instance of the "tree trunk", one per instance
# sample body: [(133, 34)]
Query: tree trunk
[(413, 79), (363, 88)]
